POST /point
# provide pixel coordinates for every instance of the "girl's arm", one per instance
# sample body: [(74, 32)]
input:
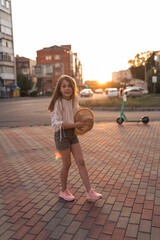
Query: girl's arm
[(77, 124), (56, 116), (76, 104), (58, 123), (72, 125)]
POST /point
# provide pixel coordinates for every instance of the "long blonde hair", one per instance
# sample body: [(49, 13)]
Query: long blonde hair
[(57, 93)]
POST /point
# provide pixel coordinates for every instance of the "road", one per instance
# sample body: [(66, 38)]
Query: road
[(17, 112)]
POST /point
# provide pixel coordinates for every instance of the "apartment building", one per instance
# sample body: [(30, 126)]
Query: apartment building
[(8, 84), (121, 75), (54, 61), (25, 66)]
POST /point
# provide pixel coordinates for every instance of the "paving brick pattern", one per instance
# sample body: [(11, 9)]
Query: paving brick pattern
[(123, 163)]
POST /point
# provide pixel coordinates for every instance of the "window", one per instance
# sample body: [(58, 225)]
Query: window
[(5, 43), (5, 16), (57, 65), (1, 56), (8, 44), (57, 57), (58, 73), (37, 70), (6, 30), (49, 80), (25, 70), (6, 57), (4, 69), (72, 63), (7, 5), (3, 2), (9, 69), (49, 70), (59, 68), (48, 57)]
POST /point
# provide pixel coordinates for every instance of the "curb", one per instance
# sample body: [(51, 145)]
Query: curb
[(126, 109)]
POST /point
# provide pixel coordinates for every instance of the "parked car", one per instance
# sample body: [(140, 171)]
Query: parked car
[(108, 89), (144, 92), (113, 93), (133, 92), (86, 93), (99, 91)]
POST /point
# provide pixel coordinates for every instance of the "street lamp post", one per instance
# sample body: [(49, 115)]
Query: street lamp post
[(145, 75), (154, 78)]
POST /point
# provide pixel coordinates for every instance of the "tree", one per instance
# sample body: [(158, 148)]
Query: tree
[(150, 73), (138, 65), (24, 84)]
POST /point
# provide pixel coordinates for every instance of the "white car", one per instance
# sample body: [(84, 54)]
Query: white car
[(144, 92), (99, 91), (133, 92), (86, 93), (109, 89), (113, 93)]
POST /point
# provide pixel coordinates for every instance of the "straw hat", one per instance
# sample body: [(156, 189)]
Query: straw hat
[(86, 116)]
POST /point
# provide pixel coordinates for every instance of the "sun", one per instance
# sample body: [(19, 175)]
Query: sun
[(102, 81), (106, 78)]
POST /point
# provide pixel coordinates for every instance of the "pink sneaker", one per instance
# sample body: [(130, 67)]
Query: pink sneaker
[(92, 195), (66, 195)]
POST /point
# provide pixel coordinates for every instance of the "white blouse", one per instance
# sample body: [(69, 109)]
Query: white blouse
[(63, 111)]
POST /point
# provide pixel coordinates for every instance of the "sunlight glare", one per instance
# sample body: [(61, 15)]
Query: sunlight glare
[(57, 155)]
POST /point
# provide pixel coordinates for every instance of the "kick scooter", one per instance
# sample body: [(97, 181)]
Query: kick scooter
[(123, 118)]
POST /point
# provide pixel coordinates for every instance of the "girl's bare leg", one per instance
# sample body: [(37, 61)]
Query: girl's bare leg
[(78, 156), (66, 161)]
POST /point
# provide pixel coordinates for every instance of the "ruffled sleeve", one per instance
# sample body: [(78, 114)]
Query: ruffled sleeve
[(76, 105), (56, 116)]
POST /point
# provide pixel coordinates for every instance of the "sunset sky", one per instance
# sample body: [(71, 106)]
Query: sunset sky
[(105, 34)]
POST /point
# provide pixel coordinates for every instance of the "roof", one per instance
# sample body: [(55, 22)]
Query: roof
[(58, 47)]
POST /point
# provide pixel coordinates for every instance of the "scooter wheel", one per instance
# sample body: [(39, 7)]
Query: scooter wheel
[(120, 121), (145, 120)]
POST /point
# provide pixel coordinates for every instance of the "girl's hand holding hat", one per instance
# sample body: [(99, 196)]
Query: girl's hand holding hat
[(84, 119), (79, 125)]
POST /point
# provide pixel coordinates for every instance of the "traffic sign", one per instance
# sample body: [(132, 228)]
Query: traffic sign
[(154, 79)]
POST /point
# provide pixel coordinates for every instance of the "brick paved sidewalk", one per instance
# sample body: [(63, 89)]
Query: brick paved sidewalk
[(123, 163)]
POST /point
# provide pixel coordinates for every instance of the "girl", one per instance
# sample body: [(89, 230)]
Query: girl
[(63, 106)]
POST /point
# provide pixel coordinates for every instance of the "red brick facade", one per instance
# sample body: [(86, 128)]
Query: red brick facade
[(55, 61)]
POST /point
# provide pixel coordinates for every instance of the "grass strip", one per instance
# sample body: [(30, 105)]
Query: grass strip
[(150, 100)]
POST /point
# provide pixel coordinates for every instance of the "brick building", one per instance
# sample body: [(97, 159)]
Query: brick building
[(54, 61), (24, 66)]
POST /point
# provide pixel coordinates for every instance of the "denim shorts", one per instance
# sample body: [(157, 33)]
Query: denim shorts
[(68, 138)]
